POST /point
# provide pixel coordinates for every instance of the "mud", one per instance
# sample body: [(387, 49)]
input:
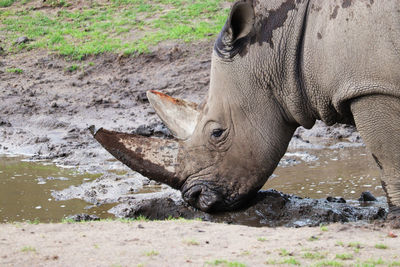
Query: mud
[(269, 208), (46, 110)]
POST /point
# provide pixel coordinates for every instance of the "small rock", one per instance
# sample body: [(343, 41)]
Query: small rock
[(22, 40), (42, 139), (144, 130), (5, 123), (142, 97), (367, 196)]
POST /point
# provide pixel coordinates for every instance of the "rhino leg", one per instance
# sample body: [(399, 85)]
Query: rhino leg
[(377, 118)]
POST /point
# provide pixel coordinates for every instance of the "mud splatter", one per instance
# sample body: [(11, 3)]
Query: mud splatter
[(334, 13), (346, 3)]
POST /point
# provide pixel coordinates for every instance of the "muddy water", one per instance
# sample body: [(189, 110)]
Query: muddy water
[(25, 191), (344, 172), (25, 187)]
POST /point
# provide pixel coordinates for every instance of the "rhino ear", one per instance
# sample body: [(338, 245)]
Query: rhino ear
[(178, 115), (237, 29)]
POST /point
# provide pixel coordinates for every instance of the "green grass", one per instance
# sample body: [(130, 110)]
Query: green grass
[(284, 252), (118, 26), (6, 3), (324, 228), (331, 263), (381, 246), (225, 263), (191, 242), (35, 221), (344, 256), (151, 253), (371, 263), (313, 256), (28, 249), (313, 238), (72, 68), (290, 261), (261, 239), (15, 70), (140, 218)]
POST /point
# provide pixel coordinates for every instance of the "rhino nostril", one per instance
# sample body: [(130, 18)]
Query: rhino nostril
[(207, 201), (192, 195)]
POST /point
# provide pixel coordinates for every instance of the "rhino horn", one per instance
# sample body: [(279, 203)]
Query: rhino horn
[(152, 157), (178, 115)]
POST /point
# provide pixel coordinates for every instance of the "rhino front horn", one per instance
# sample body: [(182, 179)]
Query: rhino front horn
[(151, 157)]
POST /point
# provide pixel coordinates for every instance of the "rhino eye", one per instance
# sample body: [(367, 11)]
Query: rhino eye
[(217, 133)]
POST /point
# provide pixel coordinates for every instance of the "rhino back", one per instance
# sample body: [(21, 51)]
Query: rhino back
[(351, 49)]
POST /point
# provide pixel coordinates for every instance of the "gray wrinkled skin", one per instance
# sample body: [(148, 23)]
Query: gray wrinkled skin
[(281, 64)]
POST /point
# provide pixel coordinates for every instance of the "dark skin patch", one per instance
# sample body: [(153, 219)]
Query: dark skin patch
[(319, 36), (276, 19), (334, 13), (346, 3)]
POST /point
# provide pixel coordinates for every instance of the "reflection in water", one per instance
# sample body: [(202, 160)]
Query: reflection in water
[(25, 191), (344, 172)]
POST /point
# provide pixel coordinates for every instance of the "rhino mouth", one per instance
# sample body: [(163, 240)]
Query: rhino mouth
[(209, 198)]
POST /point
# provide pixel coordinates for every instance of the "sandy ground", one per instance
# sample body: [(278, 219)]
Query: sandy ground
[(194, 243)]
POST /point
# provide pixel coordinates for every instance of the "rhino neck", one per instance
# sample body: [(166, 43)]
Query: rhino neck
[(280, 28)]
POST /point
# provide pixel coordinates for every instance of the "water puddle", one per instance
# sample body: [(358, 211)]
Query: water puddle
[(343, 172), (25, 189)]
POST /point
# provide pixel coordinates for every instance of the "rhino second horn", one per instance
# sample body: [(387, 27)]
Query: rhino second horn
[(178, 115), (152, 157)]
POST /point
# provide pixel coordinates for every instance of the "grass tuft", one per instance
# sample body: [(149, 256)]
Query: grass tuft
[(15, 70), (290, 261), (28, 249), (381, 246), (151, 253), (225, 263), (313, 256), (344, 256)]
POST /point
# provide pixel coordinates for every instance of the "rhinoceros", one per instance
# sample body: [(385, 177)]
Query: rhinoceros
[(277, 65)]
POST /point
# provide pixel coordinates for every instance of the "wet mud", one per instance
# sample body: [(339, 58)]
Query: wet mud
[(269, 208), (46, 110)]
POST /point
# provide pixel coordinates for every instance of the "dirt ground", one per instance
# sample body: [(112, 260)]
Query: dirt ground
[(194, 243)]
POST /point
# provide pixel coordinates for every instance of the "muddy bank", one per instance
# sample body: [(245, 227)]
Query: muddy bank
[(269, 208)]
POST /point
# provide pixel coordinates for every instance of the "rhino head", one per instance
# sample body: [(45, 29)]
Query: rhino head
[(225, 150)]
